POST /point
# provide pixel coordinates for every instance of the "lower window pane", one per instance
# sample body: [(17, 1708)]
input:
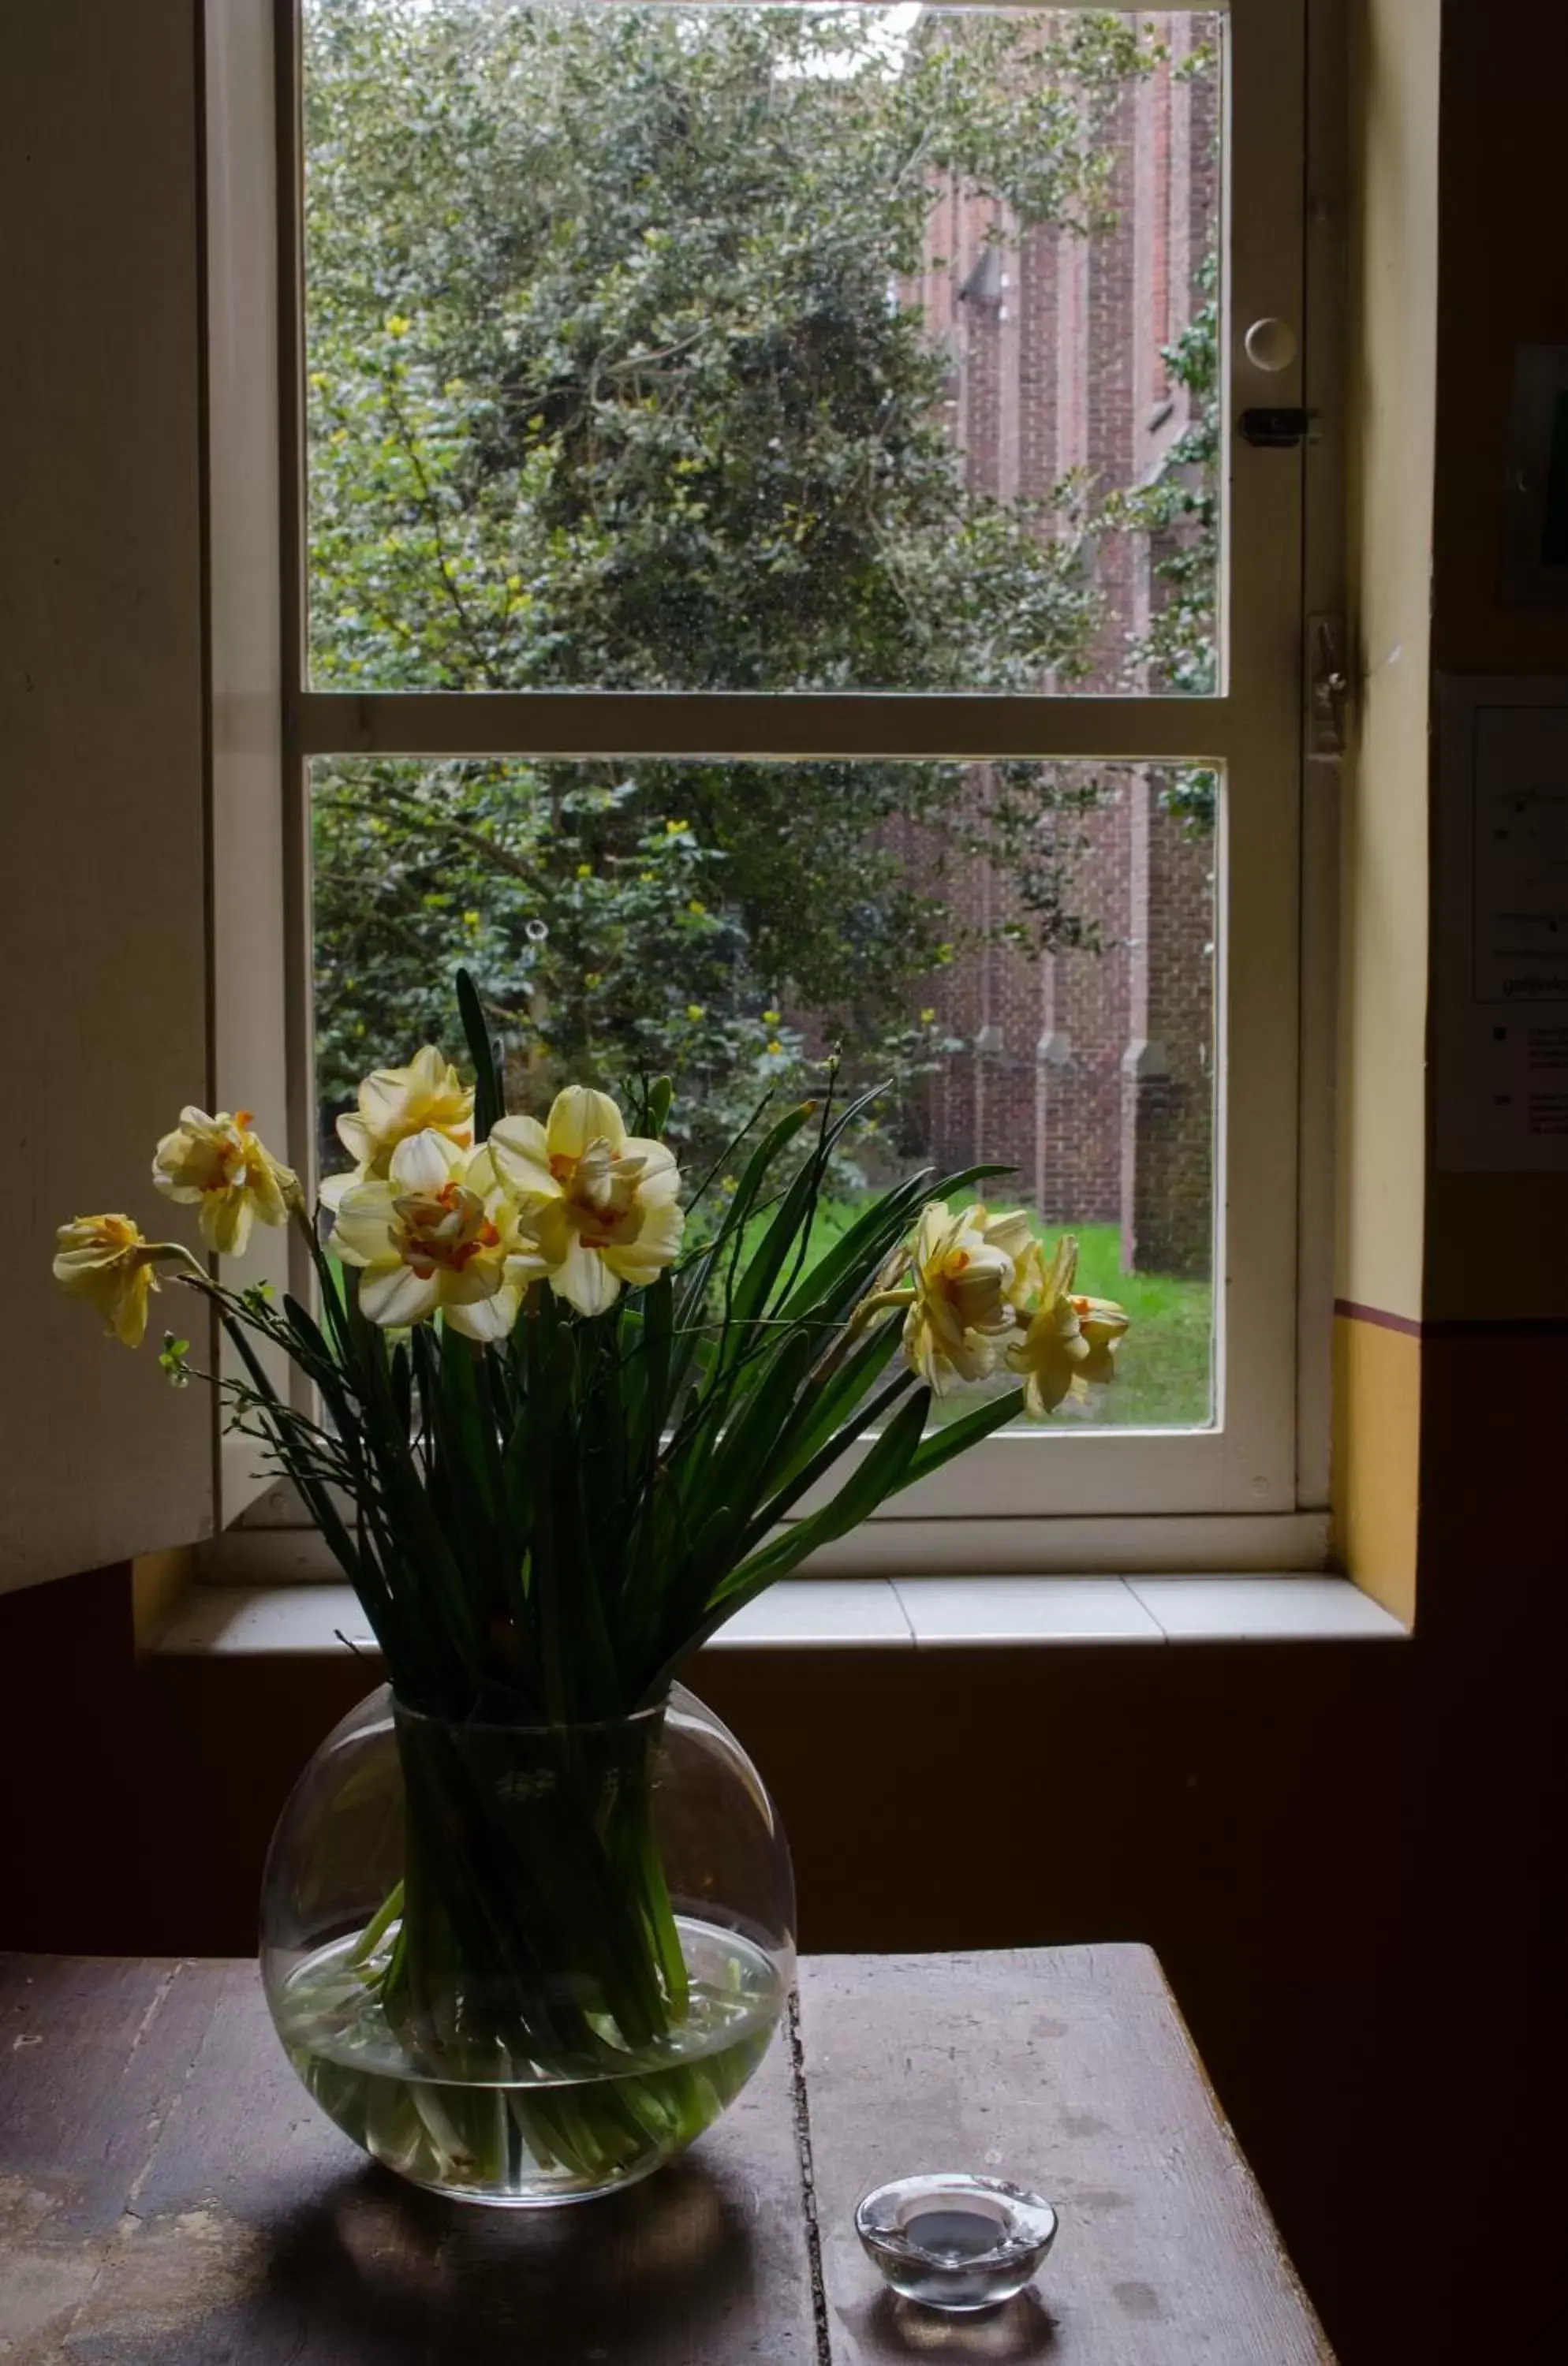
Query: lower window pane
[(1025, 953)]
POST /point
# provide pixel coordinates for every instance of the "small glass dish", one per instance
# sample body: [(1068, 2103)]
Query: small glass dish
[(953, 2241)]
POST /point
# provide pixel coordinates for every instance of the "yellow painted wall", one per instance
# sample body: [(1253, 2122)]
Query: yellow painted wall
[(1377, 1371)]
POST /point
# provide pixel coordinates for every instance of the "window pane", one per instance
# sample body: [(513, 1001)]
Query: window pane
[(1024, 952), (785, 347)]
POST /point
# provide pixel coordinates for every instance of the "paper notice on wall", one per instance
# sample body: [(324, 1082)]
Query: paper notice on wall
[(1500, 961)]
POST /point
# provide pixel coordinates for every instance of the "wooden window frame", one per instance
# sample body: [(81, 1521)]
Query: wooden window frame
[(1247, 1494)]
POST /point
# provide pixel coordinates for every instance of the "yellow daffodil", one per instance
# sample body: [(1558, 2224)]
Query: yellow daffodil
[(106, 1260), (1066, 1342), (963, 1277), (601, 1203), (428, 1096), (1103, 1324), (218, 1165), (435, 1230)]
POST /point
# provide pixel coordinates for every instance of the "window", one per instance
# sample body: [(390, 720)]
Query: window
[(768, 565)]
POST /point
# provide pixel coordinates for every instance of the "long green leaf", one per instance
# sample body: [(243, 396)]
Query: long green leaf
[(877, 1477), (956, 1436), (732, 1472), (832, 1397), (810, 1475), (489, 1105)]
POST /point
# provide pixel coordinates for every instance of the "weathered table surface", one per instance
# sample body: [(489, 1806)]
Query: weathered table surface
[(170, 2197)]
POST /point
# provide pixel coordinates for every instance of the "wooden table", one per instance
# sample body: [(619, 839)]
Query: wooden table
[(170, 2197)]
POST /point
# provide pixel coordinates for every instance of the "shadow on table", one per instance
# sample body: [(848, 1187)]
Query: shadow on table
[(892, 2328), (382, 2274)]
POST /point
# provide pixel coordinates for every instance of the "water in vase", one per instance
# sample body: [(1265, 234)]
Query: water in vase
[(539, 2134)]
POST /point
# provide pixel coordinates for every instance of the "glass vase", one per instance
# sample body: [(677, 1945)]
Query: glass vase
[(526, 1965)]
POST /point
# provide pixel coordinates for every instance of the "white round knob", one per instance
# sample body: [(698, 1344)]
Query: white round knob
[(1271, 344)]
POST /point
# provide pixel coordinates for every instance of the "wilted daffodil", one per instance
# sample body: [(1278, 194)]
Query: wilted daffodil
[(427, 1097), (218, 1164), (436, 1231), (601, 1203), (964, 1278), (1067, 1341), (106, 1260)]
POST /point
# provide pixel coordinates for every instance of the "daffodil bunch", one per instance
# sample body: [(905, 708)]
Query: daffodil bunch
[(553, 1445)]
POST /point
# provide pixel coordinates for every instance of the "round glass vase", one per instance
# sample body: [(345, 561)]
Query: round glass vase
[(526, 1965)]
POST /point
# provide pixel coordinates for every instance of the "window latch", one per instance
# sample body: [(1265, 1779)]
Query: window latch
[(1275, 429), (1328, 687)]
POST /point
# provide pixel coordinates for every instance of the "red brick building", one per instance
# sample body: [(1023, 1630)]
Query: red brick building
[(1091, 1071)]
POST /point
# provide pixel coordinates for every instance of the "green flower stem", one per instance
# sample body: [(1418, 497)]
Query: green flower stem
[(535, 1924)]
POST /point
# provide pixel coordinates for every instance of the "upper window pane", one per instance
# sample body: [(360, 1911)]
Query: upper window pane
[(779, 348)]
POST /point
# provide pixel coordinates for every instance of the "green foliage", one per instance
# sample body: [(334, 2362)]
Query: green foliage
[(610, 385), (618, 392)]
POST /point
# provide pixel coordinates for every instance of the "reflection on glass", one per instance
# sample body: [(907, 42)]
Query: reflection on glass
[(1025, 953), (784, 347)]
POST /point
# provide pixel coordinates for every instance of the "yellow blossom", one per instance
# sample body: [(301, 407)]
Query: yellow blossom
[(775, 1047), (601, 1204), (585, 871), (397, 324), (106, 1260), (435, 1230), (927, 1016), (963, 1274), (771, 1017), (1103, 1324), (694, 1010), (696, 908), (1066, 1342), (428, 1096), (674, 829), (219, 1164)]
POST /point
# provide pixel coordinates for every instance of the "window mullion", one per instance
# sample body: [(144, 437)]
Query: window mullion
[(790, 726)]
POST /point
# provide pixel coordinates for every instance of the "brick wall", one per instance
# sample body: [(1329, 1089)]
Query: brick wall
[(1091, 1072)]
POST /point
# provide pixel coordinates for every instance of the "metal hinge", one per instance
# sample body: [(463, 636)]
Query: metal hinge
[(1327, 687)]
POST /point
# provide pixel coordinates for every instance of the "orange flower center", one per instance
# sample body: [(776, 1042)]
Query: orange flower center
[(446, 1229)]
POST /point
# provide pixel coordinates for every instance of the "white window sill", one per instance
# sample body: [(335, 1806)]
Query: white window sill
[(846, 1613)]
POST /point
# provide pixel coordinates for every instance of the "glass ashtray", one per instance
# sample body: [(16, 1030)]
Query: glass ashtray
[(954, 2241)]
